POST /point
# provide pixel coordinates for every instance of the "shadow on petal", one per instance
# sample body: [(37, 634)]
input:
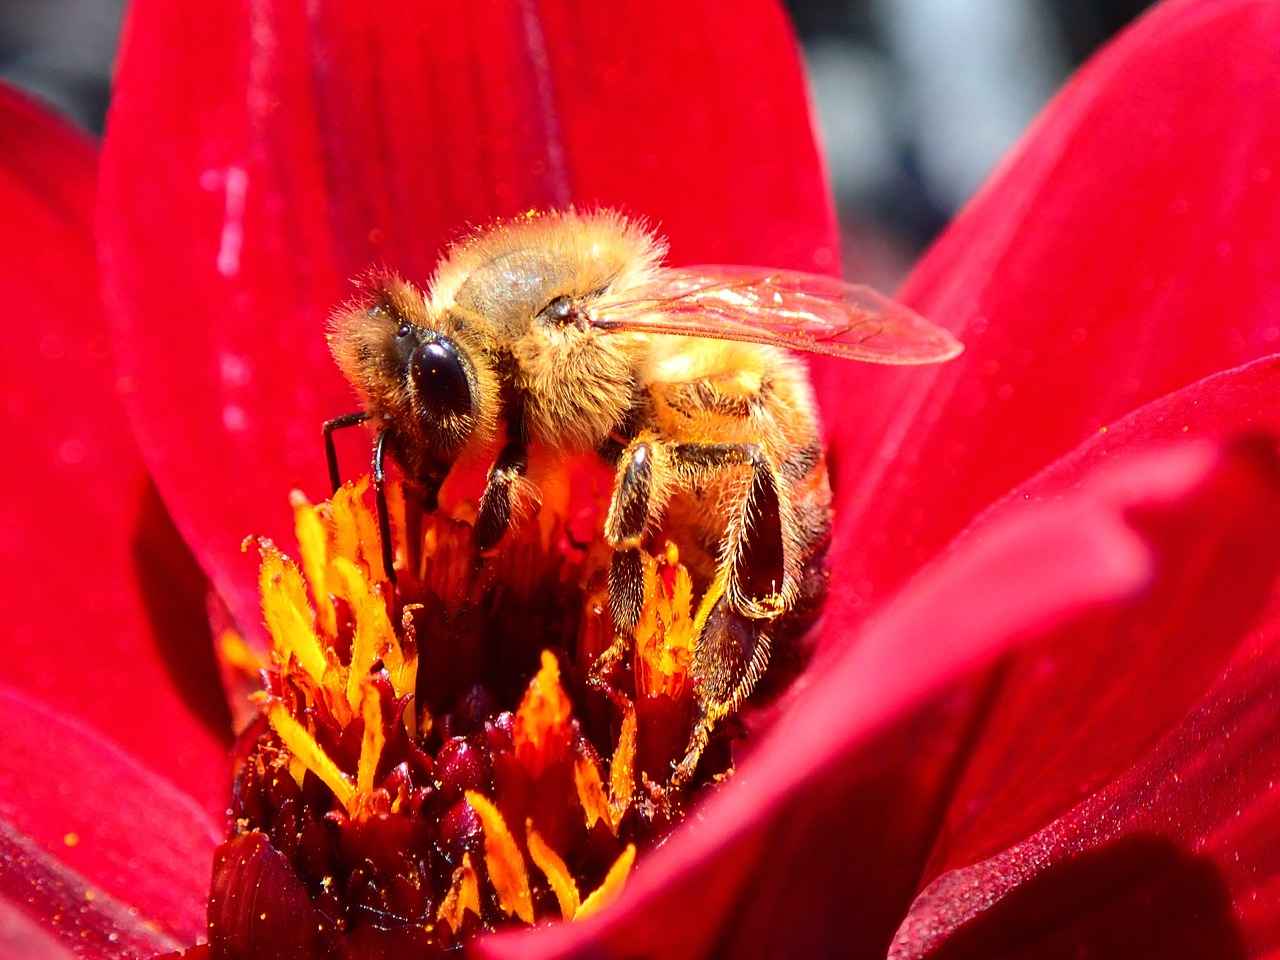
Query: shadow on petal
[(1139, 897)]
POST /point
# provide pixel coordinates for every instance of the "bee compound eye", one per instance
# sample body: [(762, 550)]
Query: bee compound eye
[(439, 379), (560, 311), (404, 331)]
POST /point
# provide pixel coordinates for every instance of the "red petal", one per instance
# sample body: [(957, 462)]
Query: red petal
[(78, 814), (300, 145), (1125, 250), (103, 608), (1178, 858), (796, 852), (259, 908), (1064, 721)]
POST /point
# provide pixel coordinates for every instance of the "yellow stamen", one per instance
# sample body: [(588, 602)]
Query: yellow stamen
[(303, 746), (541, 730), (373, 632), (611, 887), (402, 671), (313, 545), (557, 873), (507, 872), (355, 531), (238, 655), (373, 739), (463, 895), (287, 612)]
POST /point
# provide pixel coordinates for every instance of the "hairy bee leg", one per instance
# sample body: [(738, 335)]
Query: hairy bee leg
[(626, 589), (731, 656), (380, 501), (624, 527), (756, 545), (331, 452), (496, 503)]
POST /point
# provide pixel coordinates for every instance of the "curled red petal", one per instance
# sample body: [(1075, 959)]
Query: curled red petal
[(1179, 857), (1063, 720), (62, 912), (797, 844), (103, 608), (79, 814), (302, 144), (1125, 250)]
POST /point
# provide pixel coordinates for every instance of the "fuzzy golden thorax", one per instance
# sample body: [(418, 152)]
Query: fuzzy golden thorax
[(524, 288)]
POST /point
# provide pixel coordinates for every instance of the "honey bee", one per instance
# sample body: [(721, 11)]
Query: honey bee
[(563, 331)]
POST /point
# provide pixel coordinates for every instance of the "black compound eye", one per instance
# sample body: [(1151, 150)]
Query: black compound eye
[(439, 379), (560, 311), (405, 330)]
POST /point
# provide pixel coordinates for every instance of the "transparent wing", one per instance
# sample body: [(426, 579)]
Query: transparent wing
[(797, 310)]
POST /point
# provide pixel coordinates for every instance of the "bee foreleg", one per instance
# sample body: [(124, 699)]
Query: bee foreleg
[(498, 502), (380, 501), (732, 653), (330, 452)]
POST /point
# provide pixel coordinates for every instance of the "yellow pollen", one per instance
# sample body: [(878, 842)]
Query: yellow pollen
[(355, 531), (590, 791), (373, 739), (622, 770), (373, 633), (666, 632)]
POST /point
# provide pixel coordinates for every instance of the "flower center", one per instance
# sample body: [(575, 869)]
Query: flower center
[(472, 748)]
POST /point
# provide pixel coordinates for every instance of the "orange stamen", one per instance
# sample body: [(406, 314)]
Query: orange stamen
[(313, 545), (463, 895), (507, 872), (557, 873), (611, 887), (542, 732), (304, 747)]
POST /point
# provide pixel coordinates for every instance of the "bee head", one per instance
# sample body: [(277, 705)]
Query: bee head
[(413, 372)]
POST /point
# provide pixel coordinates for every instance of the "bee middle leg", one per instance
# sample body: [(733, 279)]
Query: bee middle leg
[(639, 496), (731, 656)]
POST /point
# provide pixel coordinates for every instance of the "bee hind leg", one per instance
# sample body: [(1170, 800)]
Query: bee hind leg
[(752, 589), (755, 550), (732, 654)]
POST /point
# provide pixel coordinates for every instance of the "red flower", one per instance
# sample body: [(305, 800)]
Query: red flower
[(1038, 722)]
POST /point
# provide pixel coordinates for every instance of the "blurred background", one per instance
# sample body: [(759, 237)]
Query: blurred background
[(917, 99)]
